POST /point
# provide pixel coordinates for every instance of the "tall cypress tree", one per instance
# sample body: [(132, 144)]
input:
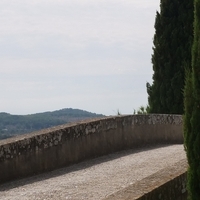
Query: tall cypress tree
[(192, 112), (171, 55)]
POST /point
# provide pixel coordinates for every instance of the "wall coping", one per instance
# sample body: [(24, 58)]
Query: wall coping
[(151, 118), (142, 189)]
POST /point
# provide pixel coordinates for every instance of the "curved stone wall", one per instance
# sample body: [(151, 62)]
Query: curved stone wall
[(64, 145), (168, 183)]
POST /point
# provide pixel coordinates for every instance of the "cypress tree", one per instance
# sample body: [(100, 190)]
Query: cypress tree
[(171, 54), (192, 112)]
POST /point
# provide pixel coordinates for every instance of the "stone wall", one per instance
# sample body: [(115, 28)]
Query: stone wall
[(64, 145), (167, 184)]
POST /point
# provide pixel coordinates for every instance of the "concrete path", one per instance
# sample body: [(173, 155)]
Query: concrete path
[(94, 179)]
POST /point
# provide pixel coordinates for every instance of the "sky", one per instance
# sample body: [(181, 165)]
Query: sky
[(93, 55)]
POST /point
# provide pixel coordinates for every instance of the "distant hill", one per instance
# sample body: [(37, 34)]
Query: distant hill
[(11, 125)]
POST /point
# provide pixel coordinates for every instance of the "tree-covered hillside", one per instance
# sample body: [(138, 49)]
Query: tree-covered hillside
[(11, 125)]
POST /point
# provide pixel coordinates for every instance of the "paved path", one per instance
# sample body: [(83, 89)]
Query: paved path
[(94, 179)]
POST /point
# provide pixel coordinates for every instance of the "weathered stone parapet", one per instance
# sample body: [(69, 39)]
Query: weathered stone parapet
[(63, 145), (166, 184)]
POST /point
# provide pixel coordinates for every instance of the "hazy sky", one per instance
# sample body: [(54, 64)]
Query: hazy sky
[(93, 55)]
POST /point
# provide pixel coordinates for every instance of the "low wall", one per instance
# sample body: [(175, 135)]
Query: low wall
[(167, 184), (64, 145)]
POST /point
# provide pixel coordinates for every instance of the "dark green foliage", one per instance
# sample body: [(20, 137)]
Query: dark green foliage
[(141, 110), (188, 106), (11, 125), (192, 113), (171, 54)]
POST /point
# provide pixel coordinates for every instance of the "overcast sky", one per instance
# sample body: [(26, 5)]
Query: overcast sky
[(93, 55)]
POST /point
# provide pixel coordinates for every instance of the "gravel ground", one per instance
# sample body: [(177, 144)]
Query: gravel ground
[(94, 179)]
